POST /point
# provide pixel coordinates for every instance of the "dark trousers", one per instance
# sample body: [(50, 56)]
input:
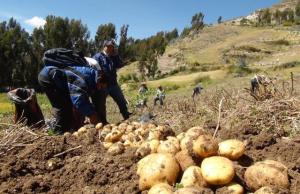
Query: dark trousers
[(160, 99), (60, 100), (99, 100)]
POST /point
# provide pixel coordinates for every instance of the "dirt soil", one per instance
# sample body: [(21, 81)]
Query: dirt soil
[(89, 169)]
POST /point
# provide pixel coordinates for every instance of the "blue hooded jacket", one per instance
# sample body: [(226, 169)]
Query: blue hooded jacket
[(109, 66), (81, 83)]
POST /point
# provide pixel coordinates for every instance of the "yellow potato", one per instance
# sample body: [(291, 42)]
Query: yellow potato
[(217, 170), (157, 168), (129, 128), (184, 159), (161, 188), (205, 146), (180, 136), (193, 190), (171, 146), (99, 126), (116, 149), (195, 132), (82, 130), (192, 177), (113, 136), (75, 134), (232, 149), (187, 144), (107, 144), (267, 173), (155, 134), (148, 147), (266, 190), (235, 188)]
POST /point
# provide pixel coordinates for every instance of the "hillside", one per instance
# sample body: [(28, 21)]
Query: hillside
[(221, 45)]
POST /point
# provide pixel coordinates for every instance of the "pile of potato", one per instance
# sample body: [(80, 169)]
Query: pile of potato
[(194, 157), (176, 159)]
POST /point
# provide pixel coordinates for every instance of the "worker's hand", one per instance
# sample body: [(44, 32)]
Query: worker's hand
[(94, 119)]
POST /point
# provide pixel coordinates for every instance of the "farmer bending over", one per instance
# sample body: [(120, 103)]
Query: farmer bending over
[(69, 82)]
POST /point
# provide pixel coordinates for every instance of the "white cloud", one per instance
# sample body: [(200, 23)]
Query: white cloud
[(36, 21)]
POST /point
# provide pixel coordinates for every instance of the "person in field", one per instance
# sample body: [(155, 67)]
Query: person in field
[(160, 96)]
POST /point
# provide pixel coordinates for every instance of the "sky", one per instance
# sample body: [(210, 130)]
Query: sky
[(144, 17)]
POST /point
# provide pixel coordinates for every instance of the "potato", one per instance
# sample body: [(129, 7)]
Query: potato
[(129, 128), (205, 146), (136, 124), (170, 146), (193, 190), (113, 136), (82, 130), (266, 190), (99, 126), (187, 144), (116, 149), (157, 168), (107, 144), (180, 136), (148, 147), (154, 134), (232, 149), (195, 132), (184, 159), (235, 188), (103, 133), (76, 134), (151, 125), (192, 177), (123, 126), (267, 173), (217, 170), (161, 188)]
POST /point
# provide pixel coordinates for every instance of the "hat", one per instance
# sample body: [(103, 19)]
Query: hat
[(109, 42)]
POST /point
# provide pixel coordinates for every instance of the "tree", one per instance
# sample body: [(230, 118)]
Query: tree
[(297, 10), (220, 20), (104, 32), (185, 32), (198, 21), (277, 16), (123, 41)]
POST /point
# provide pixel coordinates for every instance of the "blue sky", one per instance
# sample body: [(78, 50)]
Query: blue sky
[(145, 17)]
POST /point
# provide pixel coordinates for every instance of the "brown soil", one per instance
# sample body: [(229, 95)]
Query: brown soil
[(85, 170)]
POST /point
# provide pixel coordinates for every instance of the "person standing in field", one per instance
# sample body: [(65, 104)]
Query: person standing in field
[(197, 91), (142, 97), (160, 96), (109, 60)]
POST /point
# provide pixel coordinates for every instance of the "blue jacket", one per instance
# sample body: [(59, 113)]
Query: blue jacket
[(110, 66), (81, 83)]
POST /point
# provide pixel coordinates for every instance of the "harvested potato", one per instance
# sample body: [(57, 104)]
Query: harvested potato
[(154, 134), (107, 144), (195, 132), (205, 146), (116, 149), (266, 190), (180, 136), (136, 124), (235, 188), (171, 146), (82, 130), (148, 147), (113, 136), (99, 126), (161, 188), (123, 126), (76, 134), (151, 126), (267, 173), (192, 177), (217, 170), (129, 128), (232, 149), (184, 159), (157, 168), (187, 143), (193, 190), (128, 137)]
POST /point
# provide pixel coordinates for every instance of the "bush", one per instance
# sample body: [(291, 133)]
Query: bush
[(128, 77), (280, 42), (287, 23)]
